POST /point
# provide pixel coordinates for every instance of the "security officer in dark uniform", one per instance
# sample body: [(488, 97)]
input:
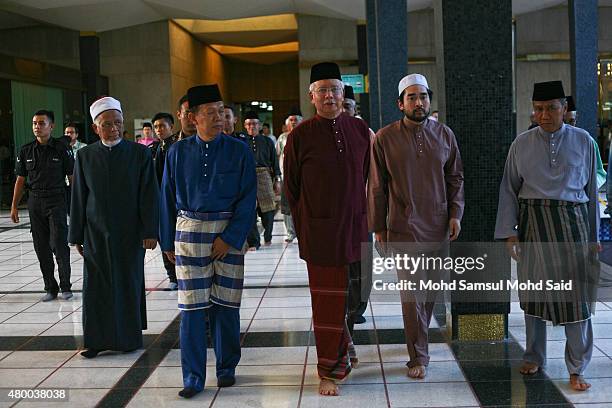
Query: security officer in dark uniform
[(45, 163), (162, 125)]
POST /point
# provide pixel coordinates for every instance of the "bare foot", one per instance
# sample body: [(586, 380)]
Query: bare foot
[(529, 368), (328, 387), (417, 372), (578, 384), (354, 362)]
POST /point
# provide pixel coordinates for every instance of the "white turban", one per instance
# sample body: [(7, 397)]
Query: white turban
[(409, 80), (104, 104)]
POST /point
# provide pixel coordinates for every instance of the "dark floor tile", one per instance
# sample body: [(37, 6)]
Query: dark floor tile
[(523, 393), (498, 350)]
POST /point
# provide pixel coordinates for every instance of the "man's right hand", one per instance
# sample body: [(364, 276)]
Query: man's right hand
[(15, 214), (79, 248), (171, 257), (512, 245), (381, 236)]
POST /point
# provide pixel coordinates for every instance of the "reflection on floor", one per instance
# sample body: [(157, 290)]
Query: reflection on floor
[(39, 345)]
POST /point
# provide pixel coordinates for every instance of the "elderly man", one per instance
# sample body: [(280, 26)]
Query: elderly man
[(45, 163), (548, 202), (416, 196), (268, 179), (294, 118), (114, 218), (326, 167), (208, 205)]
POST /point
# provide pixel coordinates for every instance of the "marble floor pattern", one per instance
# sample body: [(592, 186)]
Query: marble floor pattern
[(39, 345)]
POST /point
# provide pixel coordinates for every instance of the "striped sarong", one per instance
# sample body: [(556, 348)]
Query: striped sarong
[(554, 246), (328, 293), (265, 190), (200, 279)]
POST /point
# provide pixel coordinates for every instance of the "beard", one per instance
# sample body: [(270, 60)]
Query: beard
[(413, 115)]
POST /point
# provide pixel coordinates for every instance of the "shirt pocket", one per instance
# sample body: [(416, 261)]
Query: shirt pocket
[(226, 184), (30, 165), (575, 176)]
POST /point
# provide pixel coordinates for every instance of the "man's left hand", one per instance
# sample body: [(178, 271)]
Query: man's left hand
[(149, 243), (277, 187), (454, 226), (219, 249)]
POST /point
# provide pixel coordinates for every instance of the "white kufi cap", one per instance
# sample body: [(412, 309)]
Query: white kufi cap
[(409, 80), (104, 104)]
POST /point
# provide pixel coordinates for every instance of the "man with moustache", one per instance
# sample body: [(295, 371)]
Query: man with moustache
[(548, 205), (44, 164), (113, 220), (326, 169), (208, 205), (416, 196)]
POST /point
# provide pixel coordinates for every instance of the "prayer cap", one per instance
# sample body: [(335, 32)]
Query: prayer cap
[(201, 94), (348, 92), (409, 80), (251, 115), (294, 111), (571, 106), (545, 91), (104, 104), (325, 70)]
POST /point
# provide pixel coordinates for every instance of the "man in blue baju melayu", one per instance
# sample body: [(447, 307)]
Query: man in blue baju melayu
[(207, 208)]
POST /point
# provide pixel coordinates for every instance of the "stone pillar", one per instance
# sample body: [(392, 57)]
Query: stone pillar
[(387, 39), (94, 84), (475, 83), (583, 25)]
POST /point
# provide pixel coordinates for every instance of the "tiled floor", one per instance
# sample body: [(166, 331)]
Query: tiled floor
[(40, 342)]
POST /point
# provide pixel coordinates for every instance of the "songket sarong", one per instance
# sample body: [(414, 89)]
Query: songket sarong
[(265, 190), (200, 279), (554, 246), (328, 292)]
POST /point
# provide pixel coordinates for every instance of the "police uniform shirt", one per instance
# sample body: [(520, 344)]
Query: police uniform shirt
[(45, 166)]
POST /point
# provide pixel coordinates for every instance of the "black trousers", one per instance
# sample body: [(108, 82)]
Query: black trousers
[(170, 267), (360, 285), (267, 220), (50, 235)]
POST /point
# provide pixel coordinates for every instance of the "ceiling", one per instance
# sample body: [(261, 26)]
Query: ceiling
[(219, 22)]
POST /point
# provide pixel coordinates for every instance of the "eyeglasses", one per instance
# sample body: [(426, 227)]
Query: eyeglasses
[(334, 90), (109, 125)]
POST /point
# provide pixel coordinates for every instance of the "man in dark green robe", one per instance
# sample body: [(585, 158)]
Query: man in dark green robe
[(114, 218)]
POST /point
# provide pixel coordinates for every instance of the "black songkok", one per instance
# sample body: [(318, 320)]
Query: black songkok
[(348, 92), (251, 115), (294, 111), (545, 91), (201, 94), (571, 106), (325, 70)]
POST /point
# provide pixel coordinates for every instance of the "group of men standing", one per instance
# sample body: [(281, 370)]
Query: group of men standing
[(406, 182)]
